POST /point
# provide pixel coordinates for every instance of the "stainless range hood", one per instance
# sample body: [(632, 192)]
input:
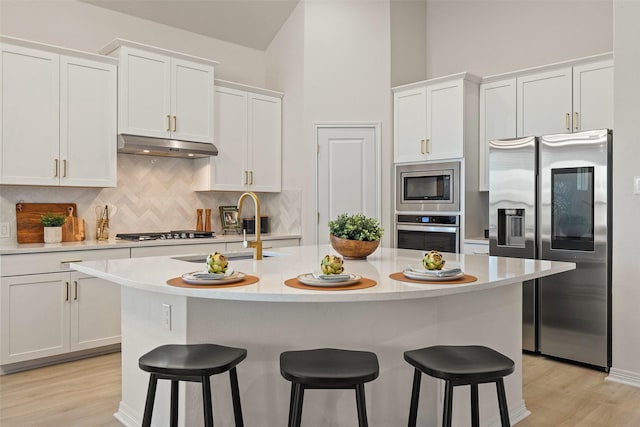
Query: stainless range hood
[(145, 145)]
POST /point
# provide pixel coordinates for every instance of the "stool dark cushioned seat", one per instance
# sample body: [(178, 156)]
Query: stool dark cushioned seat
[(327, 368), (460, 365), (194, 363)]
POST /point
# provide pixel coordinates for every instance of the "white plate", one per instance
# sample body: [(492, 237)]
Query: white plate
[(236, 276), (308, 279), (430, 278), (445, 272), (331, 277)]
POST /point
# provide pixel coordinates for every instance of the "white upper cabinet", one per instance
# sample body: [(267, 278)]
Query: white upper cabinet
[(431, 118), (58, 116), (445, 120), (163, 94), (410, 124), (593, 96), (248, 135), (569, 97), (497, 120), (144, 90), (264, 134), (88, 130), (544, 102), (574, 98), (30, 121)]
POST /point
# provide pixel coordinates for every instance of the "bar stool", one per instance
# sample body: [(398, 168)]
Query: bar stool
[(327, 368), (460, 365), (193, 363)]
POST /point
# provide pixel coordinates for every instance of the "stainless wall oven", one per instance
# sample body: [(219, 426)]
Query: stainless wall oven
[(428, 187), (428, 232)]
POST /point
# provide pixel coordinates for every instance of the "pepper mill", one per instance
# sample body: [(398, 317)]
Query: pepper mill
[(199, 220), (207, 220)]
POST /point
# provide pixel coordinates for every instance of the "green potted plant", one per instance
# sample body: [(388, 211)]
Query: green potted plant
[(355, 236), (52, 227)]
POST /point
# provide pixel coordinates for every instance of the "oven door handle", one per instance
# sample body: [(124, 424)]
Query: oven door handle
[(428, 228)]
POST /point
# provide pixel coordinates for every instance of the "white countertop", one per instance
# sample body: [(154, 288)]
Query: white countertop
[(9, 248), (152, 273)]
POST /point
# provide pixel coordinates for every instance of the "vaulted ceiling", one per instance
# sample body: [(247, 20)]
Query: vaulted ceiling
[(250, 23)]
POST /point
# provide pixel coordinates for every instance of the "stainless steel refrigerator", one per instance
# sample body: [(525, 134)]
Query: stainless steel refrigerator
[(550, 198)]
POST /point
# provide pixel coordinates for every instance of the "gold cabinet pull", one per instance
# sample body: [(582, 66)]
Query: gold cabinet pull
[(246, 177), (567, 118), (66, 294), (250, 177), (575, 121), (75, 290), (426, 145), (55, 168), (64, 168), (422, 146), (168, 123), (175, 123)]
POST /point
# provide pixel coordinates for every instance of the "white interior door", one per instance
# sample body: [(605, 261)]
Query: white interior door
[(348, 173)]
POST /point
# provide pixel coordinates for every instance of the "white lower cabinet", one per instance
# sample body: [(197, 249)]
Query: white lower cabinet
[(475, 248), (46, 309), (35, 316), (55, 313), (95, 312)]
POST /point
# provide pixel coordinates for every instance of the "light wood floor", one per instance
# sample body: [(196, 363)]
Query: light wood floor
[(86, 393)]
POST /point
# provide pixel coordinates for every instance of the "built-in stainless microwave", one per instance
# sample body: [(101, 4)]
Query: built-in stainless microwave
[(428, 187)]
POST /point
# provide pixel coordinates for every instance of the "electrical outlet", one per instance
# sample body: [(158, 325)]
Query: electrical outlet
[(5, 231), (166, 316)]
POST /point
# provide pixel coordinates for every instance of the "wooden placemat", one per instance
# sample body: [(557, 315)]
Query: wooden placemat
[(467, 278), (362, 284), (178, 282)]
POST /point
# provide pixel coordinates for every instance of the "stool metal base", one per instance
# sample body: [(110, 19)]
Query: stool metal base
[(206, 398)]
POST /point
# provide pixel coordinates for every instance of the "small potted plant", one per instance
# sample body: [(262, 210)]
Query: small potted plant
[(355, 236), (52, 227)]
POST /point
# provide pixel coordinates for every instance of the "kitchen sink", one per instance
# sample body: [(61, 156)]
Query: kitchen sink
[(235, 255)]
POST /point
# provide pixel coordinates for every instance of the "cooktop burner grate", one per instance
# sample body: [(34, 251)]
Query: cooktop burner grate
[(167, 235)]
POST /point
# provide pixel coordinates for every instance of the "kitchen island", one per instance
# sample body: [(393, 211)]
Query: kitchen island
[(269, 317)]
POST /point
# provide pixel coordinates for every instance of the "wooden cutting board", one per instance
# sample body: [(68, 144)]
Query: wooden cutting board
[(28, 225), (73, 228)]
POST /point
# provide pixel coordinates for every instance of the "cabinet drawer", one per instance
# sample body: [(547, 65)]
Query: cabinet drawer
[(476, 249), (51, 262), (202, 248)]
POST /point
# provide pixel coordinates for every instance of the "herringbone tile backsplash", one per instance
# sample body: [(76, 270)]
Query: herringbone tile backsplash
[(153, 194)]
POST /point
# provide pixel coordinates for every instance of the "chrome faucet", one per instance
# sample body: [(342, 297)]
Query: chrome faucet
[(257, 244)]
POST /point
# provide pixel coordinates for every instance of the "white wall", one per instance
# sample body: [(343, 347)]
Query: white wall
[(285, 73), (345, 68), (495, 36), (408, 41), (626, 205), (86, 27)]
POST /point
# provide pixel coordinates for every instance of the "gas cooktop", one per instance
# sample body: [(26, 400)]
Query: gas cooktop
[(166, 235)]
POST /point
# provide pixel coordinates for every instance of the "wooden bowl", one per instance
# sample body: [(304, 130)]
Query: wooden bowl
[(353, 249)]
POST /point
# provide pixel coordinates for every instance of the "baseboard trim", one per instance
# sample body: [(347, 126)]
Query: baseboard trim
[(127, 416), (517, 413), (624, 377)]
